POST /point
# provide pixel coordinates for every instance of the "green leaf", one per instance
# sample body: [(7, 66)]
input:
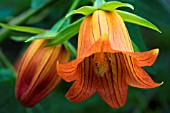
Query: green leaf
[(108, 6), (66, 33), (85, 10), (111, 6), (70, 48), (62, 23), (22, 18), (132, 18), (20, 38), (59, 25), (45, 35), (23, 28)]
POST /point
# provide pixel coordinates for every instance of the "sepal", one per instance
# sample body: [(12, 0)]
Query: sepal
[(108, 6)]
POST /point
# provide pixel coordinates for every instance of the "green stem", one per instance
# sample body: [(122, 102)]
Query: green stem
[(7, 64), (21, 18), (57, 26), (74, 5)]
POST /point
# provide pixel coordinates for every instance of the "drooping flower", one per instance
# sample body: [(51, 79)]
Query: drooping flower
[(106, 62), (37, 73)]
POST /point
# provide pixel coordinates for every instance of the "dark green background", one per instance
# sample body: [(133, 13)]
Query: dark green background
[(139, 100)]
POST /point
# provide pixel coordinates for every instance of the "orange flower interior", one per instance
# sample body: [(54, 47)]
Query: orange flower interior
[(106, 62)]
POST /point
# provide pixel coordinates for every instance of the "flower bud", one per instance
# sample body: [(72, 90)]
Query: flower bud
[(37, 74)]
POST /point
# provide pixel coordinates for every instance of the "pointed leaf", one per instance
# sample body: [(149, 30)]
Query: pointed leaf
[(66, 33), (23, 28), (62, 23), (70, 48), (20, 38), (99, 5), (85, 10), (45, 35), (111, 6), (132, 18)]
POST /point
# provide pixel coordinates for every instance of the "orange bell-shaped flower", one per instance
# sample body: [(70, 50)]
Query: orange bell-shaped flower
[(37, 72), (106, 62)]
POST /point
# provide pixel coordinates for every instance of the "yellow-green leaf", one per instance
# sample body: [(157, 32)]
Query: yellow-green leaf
[(44, 35), (85, 10), (99, 5), (132, 18), (32, 30), (20, 38), (111, 6), (66, 33)]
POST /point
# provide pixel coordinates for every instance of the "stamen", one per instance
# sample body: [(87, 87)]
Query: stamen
[(100, 64)]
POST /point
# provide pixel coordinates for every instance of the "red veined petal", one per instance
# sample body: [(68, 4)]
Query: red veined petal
[(112, 86), (69, 71), (145, 58), (83, 88), (136, 76), (85, 35), (118, 34)]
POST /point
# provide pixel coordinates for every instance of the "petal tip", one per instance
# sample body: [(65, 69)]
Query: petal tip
[(161, 83), (156, 51), (158, 84)]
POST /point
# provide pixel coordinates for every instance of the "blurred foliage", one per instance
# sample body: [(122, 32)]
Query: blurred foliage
[(44, 14)]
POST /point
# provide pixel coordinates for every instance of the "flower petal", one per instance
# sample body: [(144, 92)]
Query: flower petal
[(69, 71), (136, 76), (85, 35), (145, 58), (112, 86), (83, 88), (118, 34)]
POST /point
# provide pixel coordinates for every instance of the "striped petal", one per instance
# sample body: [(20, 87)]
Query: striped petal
[(112, 86), (69, 71), (145, 58), (136, 76), (85, 31), (83, 88), (119, 36), (99, 24)]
